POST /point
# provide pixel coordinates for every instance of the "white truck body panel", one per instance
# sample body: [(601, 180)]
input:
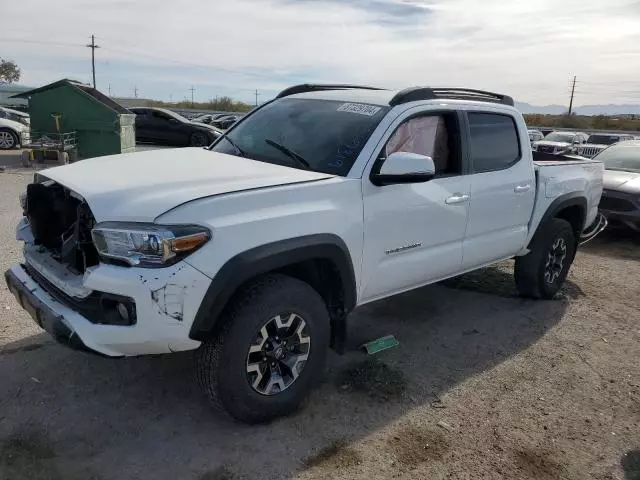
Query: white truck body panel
[(398, 237)]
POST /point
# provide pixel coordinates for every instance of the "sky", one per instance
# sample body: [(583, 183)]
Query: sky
[(528, 49)]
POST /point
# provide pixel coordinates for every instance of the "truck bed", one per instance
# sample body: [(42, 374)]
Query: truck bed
[(567, 161)]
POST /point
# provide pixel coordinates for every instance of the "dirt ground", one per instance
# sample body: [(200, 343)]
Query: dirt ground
[(483, 385)]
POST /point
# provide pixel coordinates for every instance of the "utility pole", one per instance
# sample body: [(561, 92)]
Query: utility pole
[(135, 92), (109, 89), (573, 90), (192, 90), (93, 47), (257, 97)]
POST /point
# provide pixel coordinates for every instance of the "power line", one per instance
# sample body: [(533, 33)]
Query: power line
[(93, 47), (39, 42), (187, 64)]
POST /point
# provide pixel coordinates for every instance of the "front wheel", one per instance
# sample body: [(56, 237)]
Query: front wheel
[(269, 352), (8, 139), (541, 272)]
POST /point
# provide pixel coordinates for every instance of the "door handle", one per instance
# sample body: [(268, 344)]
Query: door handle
[(457, 199), (522, 188)]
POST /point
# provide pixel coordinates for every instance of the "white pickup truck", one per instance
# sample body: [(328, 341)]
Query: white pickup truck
[(254, 250)]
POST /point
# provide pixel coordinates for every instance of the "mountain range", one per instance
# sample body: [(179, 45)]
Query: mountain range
[(611, 109)]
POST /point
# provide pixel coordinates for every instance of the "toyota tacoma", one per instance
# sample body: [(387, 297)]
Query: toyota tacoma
[(254, 250)]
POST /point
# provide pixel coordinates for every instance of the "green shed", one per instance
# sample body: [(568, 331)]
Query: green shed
[(102, 126)]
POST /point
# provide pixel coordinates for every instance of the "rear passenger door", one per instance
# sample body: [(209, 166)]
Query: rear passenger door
[(502, 188)]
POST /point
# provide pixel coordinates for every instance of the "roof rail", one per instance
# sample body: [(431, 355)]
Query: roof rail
[(427, 93), (313, 87)]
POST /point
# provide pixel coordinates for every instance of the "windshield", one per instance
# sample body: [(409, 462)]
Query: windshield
[(602, 139), (621, 157), (560, 137), (326, 135)]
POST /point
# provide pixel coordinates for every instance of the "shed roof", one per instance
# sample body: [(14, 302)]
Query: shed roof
[(92, 92)]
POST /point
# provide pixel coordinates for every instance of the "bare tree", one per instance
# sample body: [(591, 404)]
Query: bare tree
[(9, 71)]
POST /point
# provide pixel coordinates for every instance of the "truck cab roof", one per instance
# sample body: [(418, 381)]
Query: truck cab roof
[(385, 97)]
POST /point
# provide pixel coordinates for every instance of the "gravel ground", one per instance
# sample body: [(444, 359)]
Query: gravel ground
[(483, 385)]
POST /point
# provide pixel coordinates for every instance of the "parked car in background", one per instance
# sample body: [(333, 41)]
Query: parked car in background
[(255, 250), (545, 130), (598, 142), (225, 122), (208, 118), (12, 133), (158, 125), (15, 115), (620, 201), (560, 143), (535, 135)]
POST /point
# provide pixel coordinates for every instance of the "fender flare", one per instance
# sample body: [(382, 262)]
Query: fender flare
[(266, 258), (563, 201)]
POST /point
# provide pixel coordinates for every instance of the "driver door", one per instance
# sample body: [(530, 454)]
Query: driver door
[(414, 232), (167, 129)]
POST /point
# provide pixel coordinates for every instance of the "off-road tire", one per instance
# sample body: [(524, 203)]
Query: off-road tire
[(529, 269), (221, 360)]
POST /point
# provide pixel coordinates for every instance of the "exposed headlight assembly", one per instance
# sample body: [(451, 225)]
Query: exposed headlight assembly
[(147, 245)]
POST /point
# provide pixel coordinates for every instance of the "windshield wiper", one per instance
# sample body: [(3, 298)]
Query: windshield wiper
[(290, 153)]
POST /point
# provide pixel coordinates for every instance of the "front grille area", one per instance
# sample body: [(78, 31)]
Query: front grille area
[(590, 151), (545, 149), (614, 204), (61, 222)]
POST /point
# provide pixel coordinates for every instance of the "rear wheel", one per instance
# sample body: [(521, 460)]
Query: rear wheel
[(8, 139), (269, 352), (541, 272), (198, 139)]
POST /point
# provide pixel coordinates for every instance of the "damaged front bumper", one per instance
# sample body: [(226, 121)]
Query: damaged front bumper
[(166, 301)]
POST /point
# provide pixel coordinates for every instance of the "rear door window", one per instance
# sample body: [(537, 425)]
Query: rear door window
[(494, 141)]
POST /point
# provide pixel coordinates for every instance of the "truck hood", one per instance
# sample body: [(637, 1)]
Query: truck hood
[(621, 181), (138, 187)]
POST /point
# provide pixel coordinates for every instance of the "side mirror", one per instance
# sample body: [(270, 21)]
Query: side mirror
[(405, 167)]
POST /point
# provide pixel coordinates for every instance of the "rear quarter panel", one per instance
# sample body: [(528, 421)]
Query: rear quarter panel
[(557, 178)]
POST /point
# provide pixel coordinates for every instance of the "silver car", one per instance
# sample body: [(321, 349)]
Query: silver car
[(620, 201), (599, 141)]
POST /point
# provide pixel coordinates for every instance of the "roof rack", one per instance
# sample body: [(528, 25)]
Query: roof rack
[(427, 93), (313, 87)]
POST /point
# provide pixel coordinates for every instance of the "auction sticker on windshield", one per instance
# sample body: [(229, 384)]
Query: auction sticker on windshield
[(361, 108)]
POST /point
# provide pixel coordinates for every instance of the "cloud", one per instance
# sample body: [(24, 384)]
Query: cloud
[(384, 12), (529, 50)]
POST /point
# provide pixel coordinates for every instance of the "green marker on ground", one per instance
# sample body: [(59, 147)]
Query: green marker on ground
[(382, 343)]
